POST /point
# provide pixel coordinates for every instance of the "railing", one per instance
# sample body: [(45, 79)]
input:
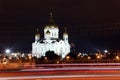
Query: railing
[(77, 65)]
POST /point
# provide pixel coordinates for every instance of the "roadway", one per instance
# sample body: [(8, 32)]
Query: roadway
[(66, 77), (63, 73)]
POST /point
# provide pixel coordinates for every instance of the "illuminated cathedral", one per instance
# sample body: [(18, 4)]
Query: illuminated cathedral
[(51, 41)]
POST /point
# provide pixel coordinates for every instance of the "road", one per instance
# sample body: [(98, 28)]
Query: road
[(67, 77), (64, 73)]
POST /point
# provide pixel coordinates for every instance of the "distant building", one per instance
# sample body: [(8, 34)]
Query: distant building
[(51, 41)]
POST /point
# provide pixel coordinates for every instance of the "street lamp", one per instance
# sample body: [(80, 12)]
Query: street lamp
[(7, 51), (68, 57), (79, 55), (30, 56), (89, 57), (117, 57), (58, 62), (45, 58), (98, 57), (106, 51)]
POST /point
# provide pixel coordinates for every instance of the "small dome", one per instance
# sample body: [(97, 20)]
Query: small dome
[(65, 33), (47, 32), (37, 34)]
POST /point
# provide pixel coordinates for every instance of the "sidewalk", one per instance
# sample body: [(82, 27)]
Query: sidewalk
[(16, 66)]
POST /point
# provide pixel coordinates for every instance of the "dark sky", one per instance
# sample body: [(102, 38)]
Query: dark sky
[(91, 24)]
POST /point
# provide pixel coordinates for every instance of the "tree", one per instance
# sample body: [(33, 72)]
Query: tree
[(51, 55), (72, 55)]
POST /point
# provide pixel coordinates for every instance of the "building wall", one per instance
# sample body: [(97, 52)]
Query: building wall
[(61, 48)]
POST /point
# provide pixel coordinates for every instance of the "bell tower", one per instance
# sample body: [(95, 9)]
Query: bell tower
[(37, 35), (65, 36)]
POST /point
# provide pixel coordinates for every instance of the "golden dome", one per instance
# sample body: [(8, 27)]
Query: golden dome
[(51, 22), (37, 32), (65, 33)]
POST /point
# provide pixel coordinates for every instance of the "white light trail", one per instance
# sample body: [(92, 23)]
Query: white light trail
[(70, 68)]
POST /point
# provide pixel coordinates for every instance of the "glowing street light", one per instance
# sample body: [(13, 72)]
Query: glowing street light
[(106, 51), (30, 56), (79, 55), (58, 62), (117, 57), (4, 61), (68, 57), (7, 51), (98, 57), (89, 57), (45, 58)]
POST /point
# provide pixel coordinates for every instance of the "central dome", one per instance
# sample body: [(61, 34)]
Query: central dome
[(51, 22)]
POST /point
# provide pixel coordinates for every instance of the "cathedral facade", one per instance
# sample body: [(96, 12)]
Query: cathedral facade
[(51, 41)]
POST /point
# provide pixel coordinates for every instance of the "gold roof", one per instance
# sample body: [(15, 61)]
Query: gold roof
[(51, 22), (65, 31)]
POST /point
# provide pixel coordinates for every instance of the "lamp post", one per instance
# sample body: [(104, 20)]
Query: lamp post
[(117, 58), (106, 51), (107, 55), (7, 51), (89, 58), (45, 58)]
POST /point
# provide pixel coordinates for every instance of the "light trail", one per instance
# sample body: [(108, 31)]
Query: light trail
[(70, 68), (60, 76), (81, 64)]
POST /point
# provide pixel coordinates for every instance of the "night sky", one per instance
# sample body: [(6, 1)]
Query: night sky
[(91, 24)]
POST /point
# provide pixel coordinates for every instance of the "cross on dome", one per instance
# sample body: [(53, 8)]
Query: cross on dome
[(51, 14)]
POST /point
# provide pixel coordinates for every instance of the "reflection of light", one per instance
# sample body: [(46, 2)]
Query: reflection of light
[(7, 51)]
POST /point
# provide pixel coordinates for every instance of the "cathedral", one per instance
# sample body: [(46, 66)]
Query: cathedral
[(51, 41)]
